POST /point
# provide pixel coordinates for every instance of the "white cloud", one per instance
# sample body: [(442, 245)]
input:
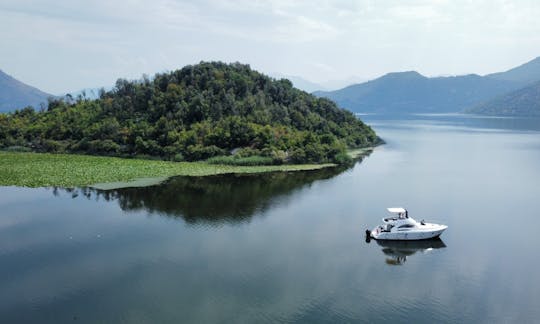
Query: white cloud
[(88, 43)]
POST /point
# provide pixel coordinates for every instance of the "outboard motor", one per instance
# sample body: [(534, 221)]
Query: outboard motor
[(368, 236)]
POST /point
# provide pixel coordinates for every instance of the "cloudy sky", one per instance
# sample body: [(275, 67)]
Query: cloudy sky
[(66, 45)]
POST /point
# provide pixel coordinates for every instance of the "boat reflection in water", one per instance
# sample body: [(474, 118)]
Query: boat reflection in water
[(398, 251)]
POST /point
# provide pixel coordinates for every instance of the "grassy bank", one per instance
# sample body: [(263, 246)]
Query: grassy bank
[(70, 170), (358, 153)]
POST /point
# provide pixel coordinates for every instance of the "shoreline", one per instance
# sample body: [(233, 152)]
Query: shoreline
[(35, 170), (74, 170)]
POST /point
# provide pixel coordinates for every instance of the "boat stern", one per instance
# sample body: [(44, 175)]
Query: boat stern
[(374, 233)]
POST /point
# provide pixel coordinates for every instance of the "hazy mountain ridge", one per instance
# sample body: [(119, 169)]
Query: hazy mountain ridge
[(526, 73), (15, 94), (522, 102), (408, 92), (411, 92), (327, 85), (396, 92), (300, 83)]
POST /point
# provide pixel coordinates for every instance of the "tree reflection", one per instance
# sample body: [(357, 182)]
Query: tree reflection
[(212, 200)]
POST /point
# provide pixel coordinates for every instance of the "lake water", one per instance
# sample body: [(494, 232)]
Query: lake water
[(291, 247)]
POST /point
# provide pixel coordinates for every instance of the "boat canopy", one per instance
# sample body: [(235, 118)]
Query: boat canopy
[(396, 210)]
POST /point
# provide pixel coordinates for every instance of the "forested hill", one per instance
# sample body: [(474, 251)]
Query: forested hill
[(197, 112)]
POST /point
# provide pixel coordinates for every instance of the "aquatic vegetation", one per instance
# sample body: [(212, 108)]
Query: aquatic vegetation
[(243, 161), (71, 170)]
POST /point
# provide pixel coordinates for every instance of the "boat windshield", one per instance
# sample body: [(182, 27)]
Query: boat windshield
[(406, 226)]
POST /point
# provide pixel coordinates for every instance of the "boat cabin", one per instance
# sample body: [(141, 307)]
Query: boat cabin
[(400, 220), (398, 213)]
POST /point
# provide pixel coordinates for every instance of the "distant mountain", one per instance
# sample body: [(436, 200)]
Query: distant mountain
[(327, 85), (14, 94), (300, 83), (525, 73), (523, 102), (411, 92), (336, 84)]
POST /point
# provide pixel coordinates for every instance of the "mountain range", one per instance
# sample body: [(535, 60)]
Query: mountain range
[(310, 86), (14, 94), (411, 92), (525, 73), (524, 102), (300, 83), (397, 92)]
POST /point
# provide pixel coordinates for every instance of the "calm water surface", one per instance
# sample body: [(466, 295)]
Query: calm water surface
[(290, 247)]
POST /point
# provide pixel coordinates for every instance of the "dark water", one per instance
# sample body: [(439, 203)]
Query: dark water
[(290, 247)]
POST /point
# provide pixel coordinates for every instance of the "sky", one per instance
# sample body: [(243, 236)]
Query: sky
[(66, 45)]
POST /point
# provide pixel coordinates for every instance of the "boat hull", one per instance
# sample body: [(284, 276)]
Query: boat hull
[(430, 232)]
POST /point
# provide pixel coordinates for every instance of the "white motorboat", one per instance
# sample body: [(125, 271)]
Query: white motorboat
[(402, 227)]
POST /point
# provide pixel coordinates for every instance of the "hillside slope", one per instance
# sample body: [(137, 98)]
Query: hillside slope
[(524, 74), (524, 102), (15, 95)]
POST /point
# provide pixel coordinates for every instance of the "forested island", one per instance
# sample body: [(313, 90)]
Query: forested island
[(227, 113)]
